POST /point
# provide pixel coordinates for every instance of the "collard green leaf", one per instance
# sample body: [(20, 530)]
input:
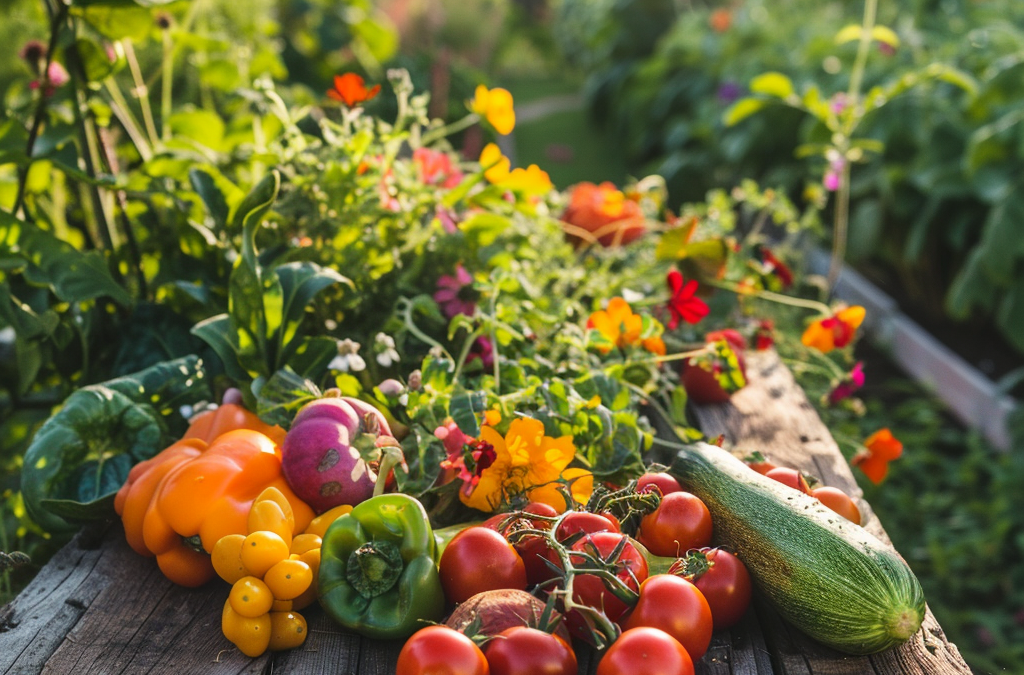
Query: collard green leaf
[(96, 424), (300, 282), (311, 357), (166, 387), (206, 187), (217, 332)]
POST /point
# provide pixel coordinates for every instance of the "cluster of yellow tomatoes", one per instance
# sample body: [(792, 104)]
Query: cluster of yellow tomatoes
[(273, 575)]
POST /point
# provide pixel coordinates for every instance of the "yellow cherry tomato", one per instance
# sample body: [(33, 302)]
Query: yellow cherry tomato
[(308, 597), (227, 559), (281, 606), (250, 597), (288, 579), (274, 495), (287, 630), (319, 525), (303, 542), (250, 634), (267, 516), (262, 550)]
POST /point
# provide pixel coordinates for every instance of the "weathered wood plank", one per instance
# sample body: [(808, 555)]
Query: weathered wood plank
[(772, 415), (34, 624)]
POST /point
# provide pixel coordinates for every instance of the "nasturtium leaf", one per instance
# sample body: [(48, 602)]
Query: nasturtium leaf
[(424, 453), (464, 408)]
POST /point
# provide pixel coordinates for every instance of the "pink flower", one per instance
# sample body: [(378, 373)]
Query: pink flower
[(436, 168), (850, 384), (831, 181), (483, 349), (455, 294), (838, 103), (448, 220), (56, 76)]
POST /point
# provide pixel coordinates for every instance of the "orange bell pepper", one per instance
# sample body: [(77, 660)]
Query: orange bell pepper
[(227, 417), (194, 490)]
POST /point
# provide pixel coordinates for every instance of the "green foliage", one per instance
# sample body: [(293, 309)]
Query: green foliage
[(939, 130)]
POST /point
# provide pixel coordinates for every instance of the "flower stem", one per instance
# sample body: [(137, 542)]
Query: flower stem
[(141, 92), (774, 297), (447, 130)]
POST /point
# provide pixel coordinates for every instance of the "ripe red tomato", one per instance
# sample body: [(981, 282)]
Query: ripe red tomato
[(438, 649), (584, 521), (665, 482), (838, 501), (479, 559), (790, 477), (722, 578), (645, 651), (676, 606), (701, 385), (759, 463), (681, 522), (589, 589), (527, 651), (534, 550)]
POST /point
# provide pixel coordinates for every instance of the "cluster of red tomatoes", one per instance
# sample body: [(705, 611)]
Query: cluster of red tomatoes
[(655, 597)]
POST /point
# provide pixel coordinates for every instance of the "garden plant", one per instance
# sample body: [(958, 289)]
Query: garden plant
[(298, 327)]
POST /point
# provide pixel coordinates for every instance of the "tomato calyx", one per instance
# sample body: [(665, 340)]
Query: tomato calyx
[(194, 542), (693, 565), (374, 567), (628, 505)]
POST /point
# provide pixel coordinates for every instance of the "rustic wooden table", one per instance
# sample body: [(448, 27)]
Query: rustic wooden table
[(97, 607)]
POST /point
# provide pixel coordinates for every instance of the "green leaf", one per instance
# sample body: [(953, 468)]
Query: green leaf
[(312, 356), (116, 20), (202, 126), (424, 453), (380, 41), (300, 282), (464, 407), (95, 60), (217, 332), (95, 424), (166, 387), (885, 35), (742, 109), (255, 205), (283, 395), (206, 187), (73, 276), (1010, 316), (772, 84), (484, 228)]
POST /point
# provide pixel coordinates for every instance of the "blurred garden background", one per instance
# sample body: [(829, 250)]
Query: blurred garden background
[(927, 173)]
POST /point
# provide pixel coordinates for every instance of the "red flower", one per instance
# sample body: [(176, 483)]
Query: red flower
[(604, 213), (683, 305), (351, 89), (879, 449), (777, 267), (764, 338), (436, 168)]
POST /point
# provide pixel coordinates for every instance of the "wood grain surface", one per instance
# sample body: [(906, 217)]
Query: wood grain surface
[(97, 607)]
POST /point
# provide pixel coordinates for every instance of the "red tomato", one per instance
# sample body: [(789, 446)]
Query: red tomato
[(528, 651), (534, 550), (541, 509), (676, 606), (645, 651), (722, 578), (758, 463), (838, 501), (665, 482), (477, 560), (583, 521), (681, 522), (438, 649), (589, 589), (701, 385), (790, 477)]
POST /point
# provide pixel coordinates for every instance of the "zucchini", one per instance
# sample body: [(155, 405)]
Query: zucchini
[(828, 577)]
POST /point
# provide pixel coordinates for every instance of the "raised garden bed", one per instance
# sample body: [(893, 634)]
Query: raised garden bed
[(97, 607)]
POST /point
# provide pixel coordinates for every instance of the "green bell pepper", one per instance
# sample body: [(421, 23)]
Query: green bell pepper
[(378, 575)]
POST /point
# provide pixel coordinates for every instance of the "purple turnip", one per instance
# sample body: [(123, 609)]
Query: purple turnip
[(319, 458)]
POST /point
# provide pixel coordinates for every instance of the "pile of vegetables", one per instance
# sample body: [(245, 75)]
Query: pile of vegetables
[(488, 461)]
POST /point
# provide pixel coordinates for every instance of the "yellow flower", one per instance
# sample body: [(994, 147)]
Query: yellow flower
[(526, 462), (495, 105), (618, 324), (532, 181), (495, 165)]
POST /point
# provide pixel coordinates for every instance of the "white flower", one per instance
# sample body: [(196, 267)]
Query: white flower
[(348, 357), (631, 296), (387, 352)]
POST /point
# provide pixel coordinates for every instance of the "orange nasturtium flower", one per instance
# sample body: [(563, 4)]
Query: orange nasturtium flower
[(606, 213), (834, 331), (495, 105), (618, 326), (526, 462), (351, 89), (880, 448)]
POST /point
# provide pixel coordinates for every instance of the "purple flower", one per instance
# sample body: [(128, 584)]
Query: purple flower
[(838, 103), (455, 294), (831, 181), (483, 349), (850, 384), (728, 92)]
